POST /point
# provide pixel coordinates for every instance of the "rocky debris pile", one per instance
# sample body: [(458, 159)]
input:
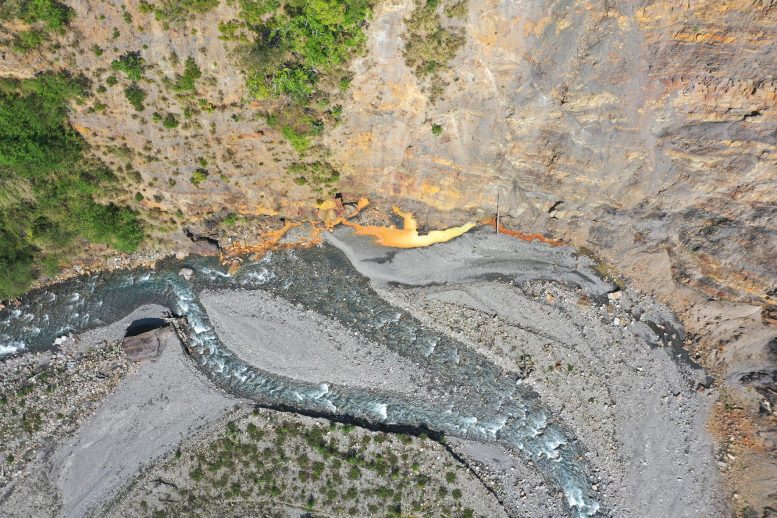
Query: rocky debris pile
[(608, 370)]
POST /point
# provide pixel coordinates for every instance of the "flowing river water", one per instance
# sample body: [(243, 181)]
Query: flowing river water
[(468, 396)]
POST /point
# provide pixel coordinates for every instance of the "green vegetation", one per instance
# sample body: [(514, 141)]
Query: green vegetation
[(300, 53), (318, 174), (429, 45), (135, 95), (170, 121), (131, 64), (44, 17), (179, 10), (43, 401), (27, 40), (264, 464), (436, 129), (51, 14), (47, 186), (191, 73), (198, 176)]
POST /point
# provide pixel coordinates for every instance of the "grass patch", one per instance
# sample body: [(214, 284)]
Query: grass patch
[(315, 173), (179, 10), (44, 17), (25, 41), (47, 186)]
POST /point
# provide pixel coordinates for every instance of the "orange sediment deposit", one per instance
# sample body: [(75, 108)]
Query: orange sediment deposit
[(407, 236), (331, 214), (271, 241), (522, 236)]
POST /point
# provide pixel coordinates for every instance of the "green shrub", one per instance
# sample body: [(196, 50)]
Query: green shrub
[(198, 176), (131, 63), (43, 16), (429, 45), (135, 95), (179, 10), (298, 46), (145, 7), (253, 11), (47, 185), (229, 31), (191, 72), (111, 81), (170, 121), (305, 39), (51, 14), (436, 129), (25, 41)]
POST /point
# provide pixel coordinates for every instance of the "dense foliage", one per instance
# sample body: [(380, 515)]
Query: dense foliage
[(431, 44), (300, 42), (131, 63), (47, 186), (300, 52), (135, 95), (43, 16)]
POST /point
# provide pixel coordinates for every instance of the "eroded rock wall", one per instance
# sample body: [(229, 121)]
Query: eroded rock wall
[(625, 127)]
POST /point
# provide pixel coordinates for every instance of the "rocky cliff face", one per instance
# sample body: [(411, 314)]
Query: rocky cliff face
[(646, 132), (630, 128)]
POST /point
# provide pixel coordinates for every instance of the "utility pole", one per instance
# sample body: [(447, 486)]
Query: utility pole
[(497, 211)]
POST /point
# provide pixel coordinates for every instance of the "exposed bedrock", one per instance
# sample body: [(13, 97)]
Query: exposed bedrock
[(644, 132), (650, 127)]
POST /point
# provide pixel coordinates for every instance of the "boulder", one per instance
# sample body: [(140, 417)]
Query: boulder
[(148, 345)]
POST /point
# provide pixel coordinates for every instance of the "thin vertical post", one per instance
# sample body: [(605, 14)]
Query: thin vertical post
[(497, 211)]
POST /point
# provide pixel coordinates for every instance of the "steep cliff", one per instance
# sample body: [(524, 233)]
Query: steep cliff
[(645, 132)]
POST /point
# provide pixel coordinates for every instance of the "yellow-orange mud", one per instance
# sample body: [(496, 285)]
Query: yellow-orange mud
[(407, 236), (522, 236)]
